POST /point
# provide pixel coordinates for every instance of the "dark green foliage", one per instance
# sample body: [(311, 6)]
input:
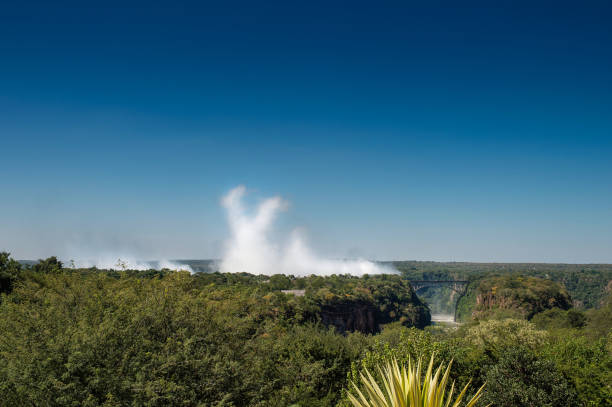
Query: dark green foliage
[(311, 364), (9, 272), (521, 379), (49, 265), (280, 282), (586, 362), (576, 318), (93, 340), (556, 318)]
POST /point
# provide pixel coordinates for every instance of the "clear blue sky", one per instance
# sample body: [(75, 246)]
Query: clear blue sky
[(472, 131)]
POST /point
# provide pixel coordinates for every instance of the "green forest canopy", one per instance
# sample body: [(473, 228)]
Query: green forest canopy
[(93, 337)]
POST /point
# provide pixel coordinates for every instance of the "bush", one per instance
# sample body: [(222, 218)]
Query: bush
[(521, 379), (586, 363), (496, 335), (9, 272), (559, 319)]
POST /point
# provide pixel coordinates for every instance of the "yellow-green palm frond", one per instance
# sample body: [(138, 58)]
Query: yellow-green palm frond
[(404, 386)]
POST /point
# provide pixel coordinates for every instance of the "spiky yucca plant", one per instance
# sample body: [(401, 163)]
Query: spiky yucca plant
[(404, 388)]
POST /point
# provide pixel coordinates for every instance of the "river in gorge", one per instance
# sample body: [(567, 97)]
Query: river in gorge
[(443, 319)]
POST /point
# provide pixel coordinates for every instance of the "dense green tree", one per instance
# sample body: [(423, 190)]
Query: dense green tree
[(556, 318), (48, 265), (9, 272), (576, 319), (280, 282), (586, 363), (521, 379), (495, 335)]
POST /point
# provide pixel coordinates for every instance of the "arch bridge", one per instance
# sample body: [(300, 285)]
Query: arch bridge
[(456, 285)]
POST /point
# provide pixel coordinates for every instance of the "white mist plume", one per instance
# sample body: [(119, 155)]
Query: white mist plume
[(114, 253), (115, 262), (249, 248)]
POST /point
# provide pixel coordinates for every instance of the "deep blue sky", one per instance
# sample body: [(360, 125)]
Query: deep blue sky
[(479, 132)]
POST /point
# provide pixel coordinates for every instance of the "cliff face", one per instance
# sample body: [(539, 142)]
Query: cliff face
[(522, 296), (367, 317), (362, 304), (351, 317)]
